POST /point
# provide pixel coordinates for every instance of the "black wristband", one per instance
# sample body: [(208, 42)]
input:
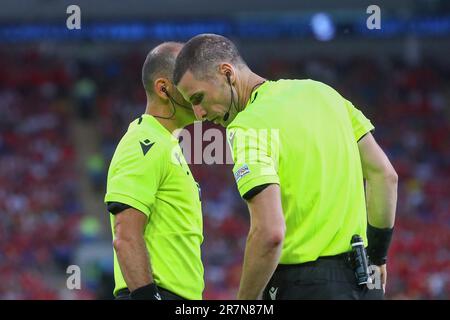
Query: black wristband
[(379, 242), (148, 292)]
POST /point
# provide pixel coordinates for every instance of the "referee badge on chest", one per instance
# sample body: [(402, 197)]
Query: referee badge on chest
[(241, 172)]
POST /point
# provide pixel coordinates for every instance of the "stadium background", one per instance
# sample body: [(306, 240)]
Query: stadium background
[(66, 98)]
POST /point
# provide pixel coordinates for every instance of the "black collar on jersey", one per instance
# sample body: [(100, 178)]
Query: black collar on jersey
[(256, 93)]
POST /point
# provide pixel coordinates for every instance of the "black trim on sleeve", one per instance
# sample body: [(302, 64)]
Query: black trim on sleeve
[(371, 131), (117, 207), (254, 191)]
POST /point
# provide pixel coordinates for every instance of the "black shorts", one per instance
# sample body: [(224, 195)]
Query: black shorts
[(124, 294), (327, 278)]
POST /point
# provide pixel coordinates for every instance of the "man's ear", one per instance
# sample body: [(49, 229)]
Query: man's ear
[(228, 71), (161, 87)]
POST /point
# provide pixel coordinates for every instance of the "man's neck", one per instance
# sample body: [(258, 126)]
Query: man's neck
[(160, 112), (249, 82)]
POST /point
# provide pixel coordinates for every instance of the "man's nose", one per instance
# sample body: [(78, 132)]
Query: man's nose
[(199, 112)]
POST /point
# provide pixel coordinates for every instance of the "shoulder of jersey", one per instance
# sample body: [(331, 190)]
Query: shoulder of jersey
[(145, 139)]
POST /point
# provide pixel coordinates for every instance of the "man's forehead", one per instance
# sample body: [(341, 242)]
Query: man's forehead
[(189, 85)]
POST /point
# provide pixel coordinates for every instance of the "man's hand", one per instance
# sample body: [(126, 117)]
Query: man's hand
[(378, 277), (383, 274)]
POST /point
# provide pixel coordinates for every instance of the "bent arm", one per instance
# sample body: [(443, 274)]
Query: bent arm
[(130, 248), (381, 183), (264, 242)]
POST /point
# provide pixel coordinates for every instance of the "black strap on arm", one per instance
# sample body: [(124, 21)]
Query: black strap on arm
[(379, 242)]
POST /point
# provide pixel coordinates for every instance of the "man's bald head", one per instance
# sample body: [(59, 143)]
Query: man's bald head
[(160, 63)]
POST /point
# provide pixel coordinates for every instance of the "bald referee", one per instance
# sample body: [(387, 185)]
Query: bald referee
[(304, 185), (152, 197)]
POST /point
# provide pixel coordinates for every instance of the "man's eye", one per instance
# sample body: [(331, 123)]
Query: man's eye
[(197, 99)]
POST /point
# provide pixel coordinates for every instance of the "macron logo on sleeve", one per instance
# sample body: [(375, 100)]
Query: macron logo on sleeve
[(146, 145)]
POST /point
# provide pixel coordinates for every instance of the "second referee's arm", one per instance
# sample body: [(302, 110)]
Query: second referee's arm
[(264, 242), (381, 194), (132, 254), (381, 183)]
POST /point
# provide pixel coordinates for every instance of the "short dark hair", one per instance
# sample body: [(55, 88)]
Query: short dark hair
[(204, 52), (160, 62)]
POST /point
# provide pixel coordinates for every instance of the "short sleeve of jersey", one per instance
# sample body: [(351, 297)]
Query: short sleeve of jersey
[(255, 155), (361, 125), (135, 173)]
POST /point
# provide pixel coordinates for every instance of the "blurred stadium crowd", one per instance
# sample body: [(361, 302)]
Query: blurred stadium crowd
[(42, 222)]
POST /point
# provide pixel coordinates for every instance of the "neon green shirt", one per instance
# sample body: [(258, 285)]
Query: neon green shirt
[(149, 173), (302, 135)]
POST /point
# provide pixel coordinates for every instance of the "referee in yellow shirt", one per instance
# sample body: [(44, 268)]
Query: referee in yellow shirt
[(152, 197), (301, 154)]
